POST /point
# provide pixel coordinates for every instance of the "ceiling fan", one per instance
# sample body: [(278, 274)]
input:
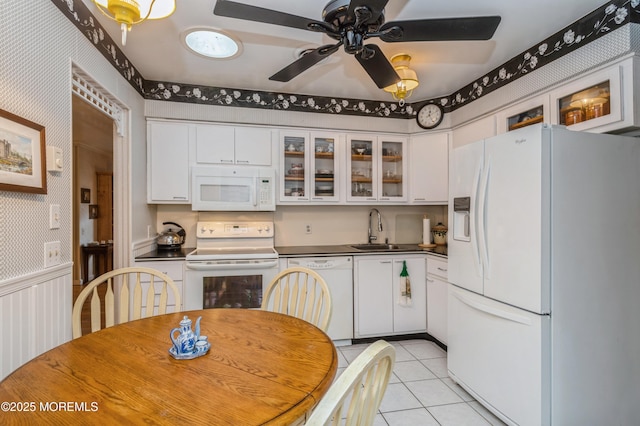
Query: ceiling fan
[(351, 22)]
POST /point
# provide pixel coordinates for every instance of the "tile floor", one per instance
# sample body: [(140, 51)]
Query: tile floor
[(420, 392)]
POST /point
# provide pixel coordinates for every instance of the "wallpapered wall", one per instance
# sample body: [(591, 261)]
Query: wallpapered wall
[(37, 48), (38, 45)]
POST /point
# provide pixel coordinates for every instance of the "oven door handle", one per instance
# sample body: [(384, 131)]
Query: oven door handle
[(209, 266)]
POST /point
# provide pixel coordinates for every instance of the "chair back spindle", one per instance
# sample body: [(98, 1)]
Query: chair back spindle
[(300, 292), (121, 308)]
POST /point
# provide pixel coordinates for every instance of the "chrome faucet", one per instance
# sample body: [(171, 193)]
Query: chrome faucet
[(374, 237)]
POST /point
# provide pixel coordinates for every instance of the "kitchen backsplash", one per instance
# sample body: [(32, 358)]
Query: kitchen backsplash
[(329, 224)]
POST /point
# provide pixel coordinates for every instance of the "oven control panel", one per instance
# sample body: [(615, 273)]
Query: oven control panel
[(234, 230)]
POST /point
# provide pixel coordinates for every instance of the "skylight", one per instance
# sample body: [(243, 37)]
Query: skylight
[(211, 43)]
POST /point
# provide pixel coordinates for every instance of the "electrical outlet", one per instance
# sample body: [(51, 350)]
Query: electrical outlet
[(51, 253), (307, 229)]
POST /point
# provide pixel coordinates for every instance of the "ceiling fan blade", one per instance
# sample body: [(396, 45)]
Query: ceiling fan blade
[(375, 7), (305, 62), (377, 66), (247, 12), (472, 28)]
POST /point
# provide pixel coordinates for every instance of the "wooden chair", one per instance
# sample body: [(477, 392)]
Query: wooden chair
[(354, 397), (302, 293), (143, 283)]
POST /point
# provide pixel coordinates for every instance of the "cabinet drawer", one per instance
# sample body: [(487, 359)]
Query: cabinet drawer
[(170, 267), (437, 267), (171, 300)]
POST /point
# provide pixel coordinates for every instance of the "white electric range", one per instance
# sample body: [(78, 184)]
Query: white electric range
[(231, 266)]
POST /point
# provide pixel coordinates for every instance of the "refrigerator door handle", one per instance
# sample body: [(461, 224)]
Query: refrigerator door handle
[(509, 316), (474, 217), (482, 220)]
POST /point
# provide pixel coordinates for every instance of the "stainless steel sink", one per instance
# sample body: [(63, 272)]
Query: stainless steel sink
[(381, 247)]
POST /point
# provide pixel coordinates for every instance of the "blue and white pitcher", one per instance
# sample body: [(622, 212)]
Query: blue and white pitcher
[(185, 342)]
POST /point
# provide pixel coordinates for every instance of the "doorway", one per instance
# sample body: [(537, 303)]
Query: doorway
[(93, 139)]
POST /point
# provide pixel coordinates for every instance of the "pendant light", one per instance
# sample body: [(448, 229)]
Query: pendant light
[(131, 12), (408, 78)]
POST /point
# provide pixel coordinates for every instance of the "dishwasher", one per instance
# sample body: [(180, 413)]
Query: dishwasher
[(338, 274)]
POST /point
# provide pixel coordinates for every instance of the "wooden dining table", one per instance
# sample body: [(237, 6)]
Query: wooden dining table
[(262, 368)]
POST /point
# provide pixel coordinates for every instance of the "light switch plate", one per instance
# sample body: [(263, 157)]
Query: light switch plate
[(54, 216), (51, 253)]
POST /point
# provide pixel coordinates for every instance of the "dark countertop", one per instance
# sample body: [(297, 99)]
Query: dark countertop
[(165, 254), (337, 250), (441, 251), (300, 251)]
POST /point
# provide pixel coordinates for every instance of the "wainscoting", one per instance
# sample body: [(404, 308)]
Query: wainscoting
[(35, 313)]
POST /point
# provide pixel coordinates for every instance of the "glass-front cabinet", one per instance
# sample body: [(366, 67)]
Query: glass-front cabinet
[(376, 169), (598, 102), (526, 118), (309, 167), (526, 113), (586, 104)]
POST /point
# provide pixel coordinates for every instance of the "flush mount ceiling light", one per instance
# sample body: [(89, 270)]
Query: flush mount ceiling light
[(408, 78), (211, 43), (131, 12)]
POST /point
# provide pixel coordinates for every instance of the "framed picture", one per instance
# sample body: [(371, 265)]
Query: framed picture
[(85, 195), (93, 211), (22, 155)]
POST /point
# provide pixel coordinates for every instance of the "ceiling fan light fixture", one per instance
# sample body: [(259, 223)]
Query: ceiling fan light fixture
[(408, 78), (131, 12), (211, 43)]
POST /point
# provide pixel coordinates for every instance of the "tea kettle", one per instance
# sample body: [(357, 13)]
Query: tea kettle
[(169, 239)]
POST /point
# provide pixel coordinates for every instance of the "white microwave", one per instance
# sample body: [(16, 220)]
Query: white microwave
[(233, 188)]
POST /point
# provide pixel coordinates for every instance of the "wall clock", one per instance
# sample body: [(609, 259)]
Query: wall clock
[(430, 116)]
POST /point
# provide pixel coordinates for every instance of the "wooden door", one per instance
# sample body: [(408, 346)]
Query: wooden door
[(104, 224)]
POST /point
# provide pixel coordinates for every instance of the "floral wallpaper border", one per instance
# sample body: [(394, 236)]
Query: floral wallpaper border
[(603, 20), (600, 22)]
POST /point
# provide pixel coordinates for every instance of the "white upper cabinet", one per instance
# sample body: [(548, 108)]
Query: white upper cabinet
[(168, 162), (429, 168), (313, 166), (254, 146), (376, 168), (216, 144), (476, 130)]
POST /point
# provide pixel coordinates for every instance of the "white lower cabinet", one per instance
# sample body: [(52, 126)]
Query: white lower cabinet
[(380, 309), (437, 298), (174, 269)]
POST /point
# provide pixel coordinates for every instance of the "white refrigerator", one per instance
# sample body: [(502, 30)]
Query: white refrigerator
[(544, 272)]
